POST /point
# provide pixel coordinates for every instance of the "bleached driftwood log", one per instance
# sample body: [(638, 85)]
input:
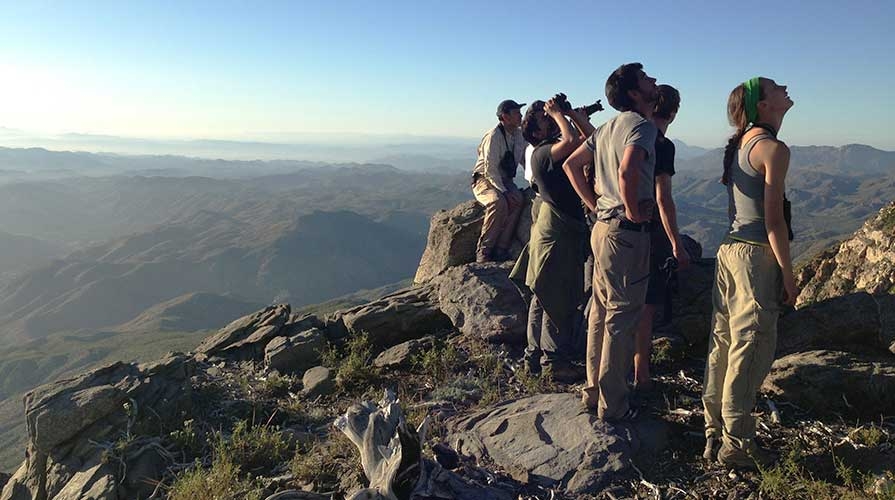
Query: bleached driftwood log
[(390, 452), (391, 456)]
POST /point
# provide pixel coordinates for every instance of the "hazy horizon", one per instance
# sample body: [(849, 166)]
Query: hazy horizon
[(323, 148)]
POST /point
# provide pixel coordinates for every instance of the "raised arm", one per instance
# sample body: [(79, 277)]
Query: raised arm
[(568, 139), (775, 158), (582, 123)]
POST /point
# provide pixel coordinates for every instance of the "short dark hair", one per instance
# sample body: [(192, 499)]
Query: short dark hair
[(530, 121), (623, 79), (668, 101)]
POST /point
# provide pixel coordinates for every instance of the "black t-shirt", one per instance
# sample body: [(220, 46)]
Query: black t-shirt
[(549, 180), (664, 156), (664, 165)]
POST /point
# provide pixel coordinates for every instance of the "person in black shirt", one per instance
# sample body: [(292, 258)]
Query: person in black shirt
[(665, 243), (558, 239)]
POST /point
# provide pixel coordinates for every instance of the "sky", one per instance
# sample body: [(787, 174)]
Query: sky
[(271, 70)]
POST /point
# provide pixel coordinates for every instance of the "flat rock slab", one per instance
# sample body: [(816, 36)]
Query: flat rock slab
[(548, 439), (835, 383)]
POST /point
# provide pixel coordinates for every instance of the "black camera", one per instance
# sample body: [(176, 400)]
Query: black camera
[(563, 102)]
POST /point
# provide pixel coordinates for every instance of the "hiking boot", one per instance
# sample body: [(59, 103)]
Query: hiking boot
[(750, 458), (711, 448)]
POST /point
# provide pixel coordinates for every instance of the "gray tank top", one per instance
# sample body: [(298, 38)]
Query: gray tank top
[(745, 192)]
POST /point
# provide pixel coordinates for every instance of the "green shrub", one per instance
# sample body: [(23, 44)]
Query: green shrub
[(326, 464), (439, 362), (253, 447), (276, 385), (221, 481), (355, 369), (535, 383), (187, 438), (871, 436)]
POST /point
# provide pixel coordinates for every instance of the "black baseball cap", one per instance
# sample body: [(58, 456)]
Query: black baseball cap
[(507, 106)]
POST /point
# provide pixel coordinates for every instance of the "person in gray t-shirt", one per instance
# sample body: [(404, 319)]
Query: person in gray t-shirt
[(622, 151)]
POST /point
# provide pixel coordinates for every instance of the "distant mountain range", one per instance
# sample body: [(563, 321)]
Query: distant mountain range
[(330, 148), (106, 257), (832, 190)]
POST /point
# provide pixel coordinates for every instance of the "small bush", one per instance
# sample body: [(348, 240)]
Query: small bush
[(355, 370), (871, 436), (187, 438), (300, 413), (535, 383), (330, 356), (255, 447), (438, 363), (459, 390), (221, 481), (489, 373), (326, 464), (276, 385), (789, 480)]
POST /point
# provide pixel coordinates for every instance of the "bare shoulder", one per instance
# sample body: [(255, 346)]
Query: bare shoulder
[(771, 153)]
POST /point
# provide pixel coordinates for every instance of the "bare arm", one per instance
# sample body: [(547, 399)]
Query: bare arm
[(668, 213), (582, 123), (568, 140), (629, 179), (574, 169), (774, 156)]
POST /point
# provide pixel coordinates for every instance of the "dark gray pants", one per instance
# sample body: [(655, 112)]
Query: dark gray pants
[(546, 344)]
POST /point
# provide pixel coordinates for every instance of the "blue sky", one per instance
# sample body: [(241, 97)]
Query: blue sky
[(257, 70)]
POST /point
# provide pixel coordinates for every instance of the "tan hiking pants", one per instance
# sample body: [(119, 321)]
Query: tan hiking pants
[(502, 212), (746, 297), (621, 275)]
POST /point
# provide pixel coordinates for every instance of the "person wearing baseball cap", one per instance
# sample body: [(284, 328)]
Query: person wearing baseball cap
[(501, 150)]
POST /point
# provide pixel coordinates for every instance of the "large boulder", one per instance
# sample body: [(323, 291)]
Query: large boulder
[(246, 337), (404, 315), (295, 353), (549, 439), (453, 235), (835, 383), (72, 424), (480, 300), (857, 322)]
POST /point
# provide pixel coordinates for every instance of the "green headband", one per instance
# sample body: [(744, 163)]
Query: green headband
[(752, 91)]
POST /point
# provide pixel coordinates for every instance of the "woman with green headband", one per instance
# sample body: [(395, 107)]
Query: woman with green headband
[(754, 276)]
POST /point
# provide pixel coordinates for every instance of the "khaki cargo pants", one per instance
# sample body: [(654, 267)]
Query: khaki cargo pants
[(502, 211), (621, 275), (747, 300)]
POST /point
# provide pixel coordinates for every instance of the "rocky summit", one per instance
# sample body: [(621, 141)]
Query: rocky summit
[(249, 413)]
